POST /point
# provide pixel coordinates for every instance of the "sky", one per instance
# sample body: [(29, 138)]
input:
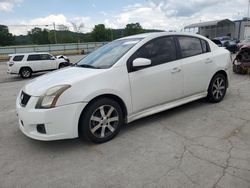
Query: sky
[(23, 15)]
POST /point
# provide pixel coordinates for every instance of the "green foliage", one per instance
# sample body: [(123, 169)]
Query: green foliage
[(5, 37), (99, 34), (39, 36), (133, 28)]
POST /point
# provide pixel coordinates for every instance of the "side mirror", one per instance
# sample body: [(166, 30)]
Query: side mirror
[(141, 62)]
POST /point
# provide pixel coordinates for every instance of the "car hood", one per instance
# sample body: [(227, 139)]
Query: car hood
[(69, 75)]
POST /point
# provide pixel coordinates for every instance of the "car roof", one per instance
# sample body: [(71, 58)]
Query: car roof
[(30, 53), (159, 34)]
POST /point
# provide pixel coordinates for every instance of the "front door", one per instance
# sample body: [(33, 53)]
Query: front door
[(159, 83)]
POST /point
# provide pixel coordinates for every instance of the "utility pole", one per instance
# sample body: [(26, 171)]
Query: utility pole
[(248, 9), (54, 25)]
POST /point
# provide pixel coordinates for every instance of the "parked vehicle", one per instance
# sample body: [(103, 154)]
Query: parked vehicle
[(28, 63), (226, 42), (223, 40), (243, 43), (241, 64), (231, 46), (123, 81), (217, 42)]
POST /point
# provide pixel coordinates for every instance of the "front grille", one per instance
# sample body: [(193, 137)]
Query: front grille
[(24, 99)]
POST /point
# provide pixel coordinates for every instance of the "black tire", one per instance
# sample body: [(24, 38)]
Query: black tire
[(25, 72), (238, 69), (96, 126), (217, 88), (62, 65)]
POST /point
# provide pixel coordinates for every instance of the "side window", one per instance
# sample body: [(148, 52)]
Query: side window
[(45, 57), (205, 46), (18, 58), (34, 57), (159, 51), (190, 46)]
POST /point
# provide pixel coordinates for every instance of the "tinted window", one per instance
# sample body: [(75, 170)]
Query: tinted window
[(190, 46), (45, 57), (160, 50), (205, 47), (18, 58), (34, 57)]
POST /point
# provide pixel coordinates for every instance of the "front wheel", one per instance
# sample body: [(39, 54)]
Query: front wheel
[(217, 88), (101, 121), (61, 66)]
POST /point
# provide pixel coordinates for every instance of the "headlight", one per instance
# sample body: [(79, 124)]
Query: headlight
[(49, 99), (237, 62), (11, 64)]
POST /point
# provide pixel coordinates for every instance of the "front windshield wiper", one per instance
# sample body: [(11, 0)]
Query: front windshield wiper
[(87, 66)]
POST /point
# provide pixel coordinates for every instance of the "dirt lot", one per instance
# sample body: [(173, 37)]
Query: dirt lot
[(195, 145)]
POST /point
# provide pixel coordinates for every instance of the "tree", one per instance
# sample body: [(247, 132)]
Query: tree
[(133, 28), (100, 33), (6, 38), (62, 27), (39, 36)]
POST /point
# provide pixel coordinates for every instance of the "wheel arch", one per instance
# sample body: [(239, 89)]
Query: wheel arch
[(27, 67), (223, 72), (110, 96)]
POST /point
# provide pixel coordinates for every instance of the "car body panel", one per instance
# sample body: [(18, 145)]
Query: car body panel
[(143, 92)]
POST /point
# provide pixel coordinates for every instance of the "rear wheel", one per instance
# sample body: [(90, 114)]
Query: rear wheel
[(26, 72), (101, 121), (217, 88)]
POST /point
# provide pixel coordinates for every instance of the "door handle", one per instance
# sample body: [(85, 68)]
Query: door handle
[(175, 70), (208, 60)]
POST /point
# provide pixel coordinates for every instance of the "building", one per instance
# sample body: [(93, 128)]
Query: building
[(239, 29), (213, 29)]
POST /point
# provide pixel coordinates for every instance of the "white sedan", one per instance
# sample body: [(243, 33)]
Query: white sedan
[(125, 80)]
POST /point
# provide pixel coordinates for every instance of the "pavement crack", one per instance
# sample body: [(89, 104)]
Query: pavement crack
[(227, 165)]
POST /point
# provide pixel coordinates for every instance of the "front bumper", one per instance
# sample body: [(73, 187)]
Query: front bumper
[(59, 122)]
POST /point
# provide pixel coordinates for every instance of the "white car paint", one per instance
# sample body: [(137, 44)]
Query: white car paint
[(14, 67), (143, 92)]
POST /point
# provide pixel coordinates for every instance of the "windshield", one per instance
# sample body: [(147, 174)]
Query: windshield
[(109, 54)]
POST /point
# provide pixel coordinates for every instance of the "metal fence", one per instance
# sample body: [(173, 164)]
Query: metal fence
[(69, 48)]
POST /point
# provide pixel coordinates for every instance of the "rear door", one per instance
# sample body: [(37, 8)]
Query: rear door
[(197, 64), (34, 62)]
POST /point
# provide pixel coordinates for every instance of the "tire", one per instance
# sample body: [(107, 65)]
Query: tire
[(95, 122), (217, 88), (238, 69), (25, 72), (61, 66)]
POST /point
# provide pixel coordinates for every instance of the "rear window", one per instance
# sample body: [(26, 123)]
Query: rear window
[(18, 58), (190, 46), (205, 46), (34, 57)]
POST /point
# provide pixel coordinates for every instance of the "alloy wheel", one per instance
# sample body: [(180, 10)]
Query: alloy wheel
[(104, 121), (218, 88)]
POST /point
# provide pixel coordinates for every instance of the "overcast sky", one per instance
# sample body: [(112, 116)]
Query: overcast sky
[(157, 14)]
